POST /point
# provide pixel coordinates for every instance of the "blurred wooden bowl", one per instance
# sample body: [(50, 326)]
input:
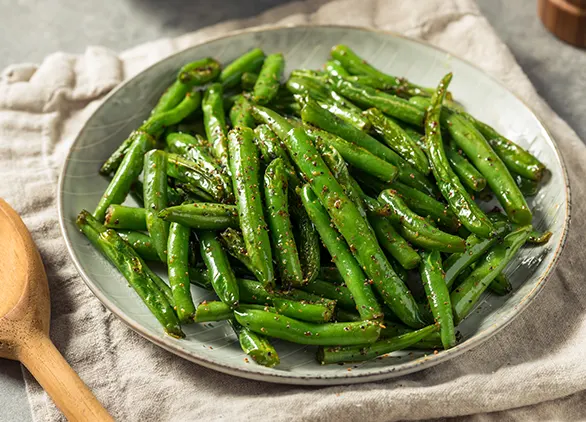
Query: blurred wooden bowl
[(566, 19)]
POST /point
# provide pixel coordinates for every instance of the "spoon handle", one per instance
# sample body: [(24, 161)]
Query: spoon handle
[(67, 390)]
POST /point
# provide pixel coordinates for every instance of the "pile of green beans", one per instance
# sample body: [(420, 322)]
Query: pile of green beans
[(310, 203)]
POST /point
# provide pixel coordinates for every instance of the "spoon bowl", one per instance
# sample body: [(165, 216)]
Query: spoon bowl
[(25, 315)]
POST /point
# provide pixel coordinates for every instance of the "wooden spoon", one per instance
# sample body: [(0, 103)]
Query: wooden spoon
[(24, 322)]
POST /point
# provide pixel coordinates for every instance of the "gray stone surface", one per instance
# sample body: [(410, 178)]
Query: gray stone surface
[(33, 29)]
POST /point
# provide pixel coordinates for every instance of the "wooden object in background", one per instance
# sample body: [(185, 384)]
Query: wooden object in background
[(24, 322), (566, 19)]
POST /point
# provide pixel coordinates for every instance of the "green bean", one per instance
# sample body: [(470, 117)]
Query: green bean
[(356, 156), (199, 72), (315, 115), (335, 68), (240, 114), (248, 62), (306, 239), (219, 271), (126, 174), (155, 197), (416, 228), (329, 291), (394, 329), (123, 217), (256, 346), (398, 140), (357, 66), (141, 243), (303, 311), (289, 329), (247, 80), (469, 214), (328, 355), (195, 179), (211, 311), (331, 275), (527, 187), (309, 73), (517, 159), (133, 268), (438, 296), (469, 176), (244, 165), (177, 263), (190, 147), (426, 206), (270, 148), (539, 238), (479, 151), (298, 295), (475, 248), (500, 285), (234, 244), (393, 243), (391, 105), (154, 126), (353, 227), (466, 295), (281, 230), (202, 216), (356, 281), (215, 122), (171, 97), (328, 100), (274, 120), (267, 84)]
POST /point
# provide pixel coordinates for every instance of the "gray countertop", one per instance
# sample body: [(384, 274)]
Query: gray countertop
[(555, 68)]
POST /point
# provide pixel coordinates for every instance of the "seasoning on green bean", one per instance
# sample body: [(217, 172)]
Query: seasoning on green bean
[(244, 166), (339, 354), (358, 66), (155, 199), (240, 114), (277, 210), (267, 84), (141, 243), (178, 267), (283, 327), (416, 228), (466, 295), (190, 147), (306, 238), (196, 179), (355, 155), (393, 243), (234, 244), (202, 215), (353, 276), (396, 138), (256, 346), (470, 215), (353, 227), (479, 151), (123, 217), (248, 62), (438, 296), (219, 271), (126, 174), (215, 122), (316, 116), (469, 176), (247, 80), (304, 311), (133, 269), (199, 72)]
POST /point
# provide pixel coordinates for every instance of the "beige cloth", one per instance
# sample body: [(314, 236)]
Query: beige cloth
[(539, 357)]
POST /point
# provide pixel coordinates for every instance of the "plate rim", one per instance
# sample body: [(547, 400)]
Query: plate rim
[(284, 377)]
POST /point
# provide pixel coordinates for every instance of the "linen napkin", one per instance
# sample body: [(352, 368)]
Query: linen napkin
[(538, 358)]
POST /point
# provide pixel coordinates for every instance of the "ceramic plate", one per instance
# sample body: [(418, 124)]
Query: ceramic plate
[(214, 345)]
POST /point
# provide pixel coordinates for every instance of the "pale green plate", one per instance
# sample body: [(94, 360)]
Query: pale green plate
[(214, 345)]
